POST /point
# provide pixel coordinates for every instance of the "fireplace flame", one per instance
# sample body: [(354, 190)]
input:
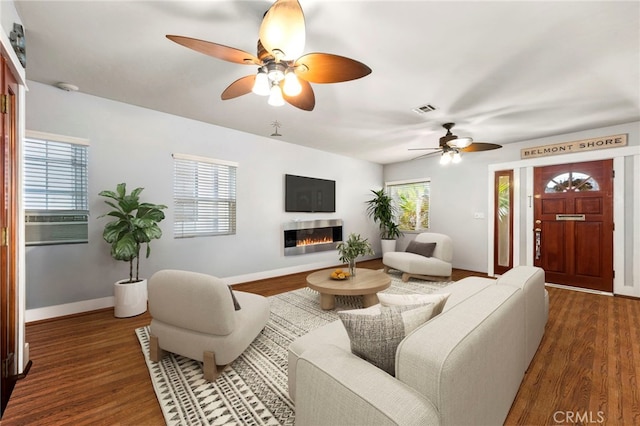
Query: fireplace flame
[(313, 241)]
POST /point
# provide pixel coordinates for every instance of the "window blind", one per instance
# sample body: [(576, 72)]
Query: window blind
[(55, 191), (204, 196)]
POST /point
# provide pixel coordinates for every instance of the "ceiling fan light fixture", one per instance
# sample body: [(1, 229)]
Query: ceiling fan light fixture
[(275, 71), (461, 142), (446, 158), (283, 29), (457, 157), (261, 84), (292, 86), (275, 97)]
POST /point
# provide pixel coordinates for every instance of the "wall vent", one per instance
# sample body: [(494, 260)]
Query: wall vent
[(423, 109)]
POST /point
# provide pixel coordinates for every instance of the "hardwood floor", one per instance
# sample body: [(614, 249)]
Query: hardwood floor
[(89, 370)]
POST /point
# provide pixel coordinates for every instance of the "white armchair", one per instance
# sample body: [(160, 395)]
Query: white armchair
[(428, 266), (193, 315)]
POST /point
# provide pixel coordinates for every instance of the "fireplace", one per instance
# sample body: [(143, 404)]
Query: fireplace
[(311, 236)]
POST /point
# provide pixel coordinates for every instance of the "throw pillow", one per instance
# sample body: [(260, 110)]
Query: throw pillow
[(376, 332), (388, 299), (423, 249), (236, 305)]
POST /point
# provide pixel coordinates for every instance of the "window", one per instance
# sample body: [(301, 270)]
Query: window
[(204, 196), (411, 199), (55, 189), (572, 181)]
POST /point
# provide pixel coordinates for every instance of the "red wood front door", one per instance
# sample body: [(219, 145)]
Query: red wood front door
[(573, 224)]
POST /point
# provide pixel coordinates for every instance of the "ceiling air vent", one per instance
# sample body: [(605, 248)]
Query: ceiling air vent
[(423, 109)]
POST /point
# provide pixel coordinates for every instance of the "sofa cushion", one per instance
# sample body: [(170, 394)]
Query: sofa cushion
[(389, 299), (375, 332), (423, 249)]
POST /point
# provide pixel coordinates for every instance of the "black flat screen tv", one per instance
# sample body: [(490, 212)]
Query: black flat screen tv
[(306, 194)]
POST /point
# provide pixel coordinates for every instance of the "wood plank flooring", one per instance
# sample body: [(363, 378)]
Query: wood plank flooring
[(89, 370)]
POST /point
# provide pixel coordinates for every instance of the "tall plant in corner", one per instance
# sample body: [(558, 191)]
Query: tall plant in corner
[(382, 210), (135, 224)]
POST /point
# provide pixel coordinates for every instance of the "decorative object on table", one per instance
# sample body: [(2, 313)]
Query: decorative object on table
[(135, 224), (381, 209), (351, 249), (339, 274)]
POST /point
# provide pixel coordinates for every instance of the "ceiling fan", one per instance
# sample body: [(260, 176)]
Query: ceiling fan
[(283, 74), (451, 146)]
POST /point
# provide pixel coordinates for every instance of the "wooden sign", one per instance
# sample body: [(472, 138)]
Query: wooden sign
[(575, 146)]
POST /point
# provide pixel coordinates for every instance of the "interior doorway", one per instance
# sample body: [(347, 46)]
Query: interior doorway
[(573, 224)]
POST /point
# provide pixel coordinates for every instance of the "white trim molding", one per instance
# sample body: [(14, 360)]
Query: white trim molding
[(49, 312)]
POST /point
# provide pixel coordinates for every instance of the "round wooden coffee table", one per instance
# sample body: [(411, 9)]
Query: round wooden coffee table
[(366, 283)]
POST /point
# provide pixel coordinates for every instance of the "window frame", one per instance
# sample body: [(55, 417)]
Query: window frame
[(45, 224), (204, 209), (407, 182)]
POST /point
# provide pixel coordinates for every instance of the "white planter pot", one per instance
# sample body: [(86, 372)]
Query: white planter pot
[(388, 245), (130, 298)]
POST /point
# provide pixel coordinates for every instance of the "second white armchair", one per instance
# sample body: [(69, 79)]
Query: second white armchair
[(427, 257)]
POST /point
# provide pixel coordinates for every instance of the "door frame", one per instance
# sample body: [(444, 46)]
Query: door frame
[(523, 214), (19, 73)]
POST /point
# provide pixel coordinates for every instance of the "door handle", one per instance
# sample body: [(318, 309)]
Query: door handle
[(538, 232)]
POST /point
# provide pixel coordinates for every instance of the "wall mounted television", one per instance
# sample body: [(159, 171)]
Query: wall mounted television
[(310, 195)]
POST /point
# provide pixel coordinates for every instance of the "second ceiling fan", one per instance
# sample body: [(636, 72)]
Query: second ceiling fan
[(283, 74), (451, 146)]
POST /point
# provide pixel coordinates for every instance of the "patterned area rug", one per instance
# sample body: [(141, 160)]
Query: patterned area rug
[(253, 389)]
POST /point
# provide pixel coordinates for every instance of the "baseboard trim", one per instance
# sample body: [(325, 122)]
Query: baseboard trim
[(49, 312), (66, 309), (583, 290)]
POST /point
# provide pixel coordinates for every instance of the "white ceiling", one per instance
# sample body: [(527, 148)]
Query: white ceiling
[(503, 71)]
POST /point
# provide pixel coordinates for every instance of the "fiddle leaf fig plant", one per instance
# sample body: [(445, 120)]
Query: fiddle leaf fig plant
[(134, 224)]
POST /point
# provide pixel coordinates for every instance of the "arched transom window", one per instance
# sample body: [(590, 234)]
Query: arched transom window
[(571, 182)]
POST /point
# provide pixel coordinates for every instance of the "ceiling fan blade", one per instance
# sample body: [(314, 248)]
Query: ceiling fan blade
[(306, 100), (240, 87), (216, 50), (329, 68), (425, 155), (480, 146), (282, 31), (425, 149)]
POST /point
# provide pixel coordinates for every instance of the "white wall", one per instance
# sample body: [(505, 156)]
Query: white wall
[(458, 191), (134, 145)]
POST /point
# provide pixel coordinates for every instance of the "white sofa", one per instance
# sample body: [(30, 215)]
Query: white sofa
[(435, 267), (462, 367)]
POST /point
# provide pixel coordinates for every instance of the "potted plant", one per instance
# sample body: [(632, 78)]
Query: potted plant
[(351, 249), (135, 224), (382, 210)]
